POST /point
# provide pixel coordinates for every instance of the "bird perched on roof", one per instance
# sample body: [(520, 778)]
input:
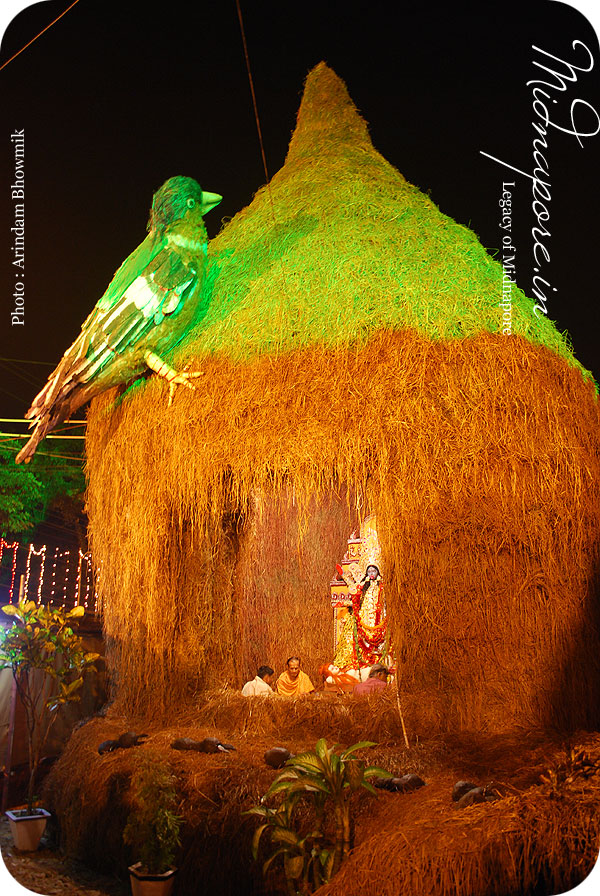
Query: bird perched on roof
[(144, 312)]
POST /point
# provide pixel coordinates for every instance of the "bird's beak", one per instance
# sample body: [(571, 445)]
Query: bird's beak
[(209, 200)]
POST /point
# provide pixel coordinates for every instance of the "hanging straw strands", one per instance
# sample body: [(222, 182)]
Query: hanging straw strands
[(483, 593)]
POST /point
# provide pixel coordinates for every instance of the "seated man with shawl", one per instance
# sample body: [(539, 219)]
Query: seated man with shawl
[(293, 682)]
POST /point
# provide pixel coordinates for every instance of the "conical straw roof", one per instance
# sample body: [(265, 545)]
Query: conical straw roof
[(339, 245), (327, 118)]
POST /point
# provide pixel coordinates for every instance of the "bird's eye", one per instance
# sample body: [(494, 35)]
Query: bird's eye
[(191, 203)]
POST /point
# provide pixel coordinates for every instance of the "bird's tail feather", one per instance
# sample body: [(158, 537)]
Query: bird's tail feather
[(51, 406), (44, 399), (42, 425)]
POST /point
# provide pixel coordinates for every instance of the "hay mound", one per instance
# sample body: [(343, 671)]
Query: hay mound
[(489, 504), (518, 846), (352, 364)]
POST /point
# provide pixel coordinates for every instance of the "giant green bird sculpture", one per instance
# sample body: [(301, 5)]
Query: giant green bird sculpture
[(145, 311)]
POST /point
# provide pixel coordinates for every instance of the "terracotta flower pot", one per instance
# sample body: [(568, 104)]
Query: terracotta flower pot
[(26, 829), (144, 884)]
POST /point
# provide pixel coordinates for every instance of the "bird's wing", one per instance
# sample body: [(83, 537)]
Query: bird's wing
[(136, 301), (124, 276), (155, 293)]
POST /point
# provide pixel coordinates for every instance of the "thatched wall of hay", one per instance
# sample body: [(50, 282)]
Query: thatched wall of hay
[(352, 359), (488, 608), (281, 578)]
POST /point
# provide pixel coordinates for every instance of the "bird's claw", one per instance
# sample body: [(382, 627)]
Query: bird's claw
[(182, 379), (173, 378)]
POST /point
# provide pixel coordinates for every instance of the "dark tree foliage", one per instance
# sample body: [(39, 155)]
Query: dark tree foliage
[(51, 484)]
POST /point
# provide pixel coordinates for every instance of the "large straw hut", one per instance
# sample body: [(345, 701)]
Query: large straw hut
[(350, 337)]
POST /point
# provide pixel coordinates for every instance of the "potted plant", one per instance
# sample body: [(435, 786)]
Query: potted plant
[(47, 660), (152, 827)]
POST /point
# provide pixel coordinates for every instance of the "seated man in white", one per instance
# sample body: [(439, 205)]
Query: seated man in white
[(260, 685)]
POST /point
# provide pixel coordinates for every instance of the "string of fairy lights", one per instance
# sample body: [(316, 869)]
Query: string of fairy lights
[(52, 576)]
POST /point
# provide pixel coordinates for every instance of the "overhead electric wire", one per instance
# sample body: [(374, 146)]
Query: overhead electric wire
[(25, 435), (75, 457), (28, 44), (26, 377), (23, 361), (19, 398), (255, 106), (25, 420), (7, 436)]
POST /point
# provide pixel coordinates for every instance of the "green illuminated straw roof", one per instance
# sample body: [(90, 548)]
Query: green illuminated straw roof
[(340, 245)]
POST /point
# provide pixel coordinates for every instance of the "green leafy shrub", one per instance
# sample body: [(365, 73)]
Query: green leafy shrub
[(153, 826), (327, 780), (42, 649)]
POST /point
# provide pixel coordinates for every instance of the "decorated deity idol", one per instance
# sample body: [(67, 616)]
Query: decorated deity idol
[(362, 640)]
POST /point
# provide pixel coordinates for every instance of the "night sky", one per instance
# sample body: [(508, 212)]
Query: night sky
[(116, 97)]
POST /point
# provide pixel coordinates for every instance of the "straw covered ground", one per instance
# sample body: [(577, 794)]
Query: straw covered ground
[(540, 836)]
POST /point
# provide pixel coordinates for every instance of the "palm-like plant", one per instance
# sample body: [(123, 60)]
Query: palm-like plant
[(329, 779), (305, 858)]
